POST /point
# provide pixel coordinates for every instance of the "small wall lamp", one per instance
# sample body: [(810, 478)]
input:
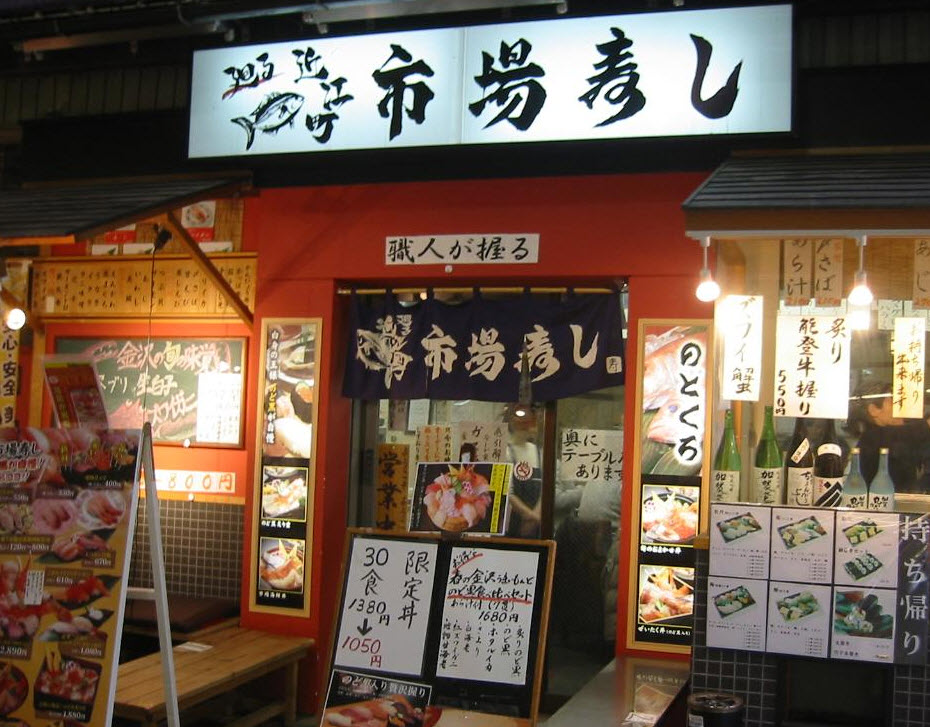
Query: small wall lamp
[(861, 294), (707, 289)]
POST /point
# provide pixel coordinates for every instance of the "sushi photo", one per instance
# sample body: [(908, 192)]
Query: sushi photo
[(862, 566), (797, 606), (732, 601), (856, 614), (803, 531), (737, 527), (861, 531)]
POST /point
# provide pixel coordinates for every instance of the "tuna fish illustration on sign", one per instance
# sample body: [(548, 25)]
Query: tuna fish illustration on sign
[(277, 110)]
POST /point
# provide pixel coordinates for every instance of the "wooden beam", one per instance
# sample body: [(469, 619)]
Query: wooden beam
[(208, 268), (41, 240)]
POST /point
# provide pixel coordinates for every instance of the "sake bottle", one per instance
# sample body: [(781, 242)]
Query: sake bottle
[(855, 492), (881, 488), (727, 465), (828, 469), (767, 476), (799, 467)]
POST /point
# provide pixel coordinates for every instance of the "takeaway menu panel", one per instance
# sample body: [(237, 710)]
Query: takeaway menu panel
[(842, 584), (739, 537), (67, 508)]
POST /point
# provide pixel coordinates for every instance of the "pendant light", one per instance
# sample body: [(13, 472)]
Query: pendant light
[(861, 294), (707, 290), (524, 405)]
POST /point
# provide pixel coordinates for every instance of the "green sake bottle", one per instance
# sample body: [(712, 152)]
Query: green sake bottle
[(724, 481)]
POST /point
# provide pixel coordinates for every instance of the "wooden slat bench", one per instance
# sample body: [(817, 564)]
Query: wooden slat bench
[(235, 656)]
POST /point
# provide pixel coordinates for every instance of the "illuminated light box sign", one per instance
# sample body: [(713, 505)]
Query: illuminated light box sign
[(687, 73)]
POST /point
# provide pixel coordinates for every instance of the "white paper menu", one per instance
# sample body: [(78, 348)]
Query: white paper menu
[(802, 545), (866, 549), (386, 605), (799, 619), (736, 613), (739, 540), (863, 624)]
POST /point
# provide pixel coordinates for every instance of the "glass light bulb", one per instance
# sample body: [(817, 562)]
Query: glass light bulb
[(861, 294), (15, 319), (707, 290), (859, 317)]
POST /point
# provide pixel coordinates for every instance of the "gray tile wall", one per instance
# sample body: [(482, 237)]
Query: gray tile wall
[(754, 676), (202, 545)]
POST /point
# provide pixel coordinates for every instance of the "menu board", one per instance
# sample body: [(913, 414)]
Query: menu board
[(67, 513), (285, 465), (844, 584), (736, 613), (455, 497), (669, 457), (74, 388), (441, 631), (190, 389), (739, 535)]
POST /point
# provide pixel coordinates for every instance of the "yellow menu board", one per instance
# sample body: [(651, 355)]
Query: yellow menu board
[(67, 511)]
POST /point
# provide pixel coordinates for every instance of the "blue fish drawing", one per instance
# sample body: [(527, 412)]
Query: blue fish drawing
[(277, 110)]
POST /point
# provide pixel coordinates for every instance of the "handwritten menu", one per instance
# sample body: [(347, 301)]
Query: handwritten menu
[(486, 616), (591, 455), (735, 613), (802, 545), (797, 263), (434, 443), (742, 347), (922, 273), (812, 356), (83, 287), (828, 271), (391, 486), (385, 611), (451, 632), (907, 352), (739, 535), (67, 509), (799, 619), (845, 584), (480, 441)]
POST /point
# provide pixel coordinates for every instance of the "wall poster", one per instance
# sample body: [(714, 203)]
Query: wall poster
[(285, 465), (440, 632), (67, 516), (670, 452), (176, 384)]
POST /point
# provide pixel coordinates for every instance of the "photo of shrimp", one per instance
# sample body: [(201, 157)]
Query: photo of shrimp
[(665, 594), (458, 497), (669, 514), (282, 564)]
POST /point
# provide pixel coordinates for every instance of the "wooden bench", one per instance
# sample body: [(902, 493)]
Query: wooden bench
[(232, 657)]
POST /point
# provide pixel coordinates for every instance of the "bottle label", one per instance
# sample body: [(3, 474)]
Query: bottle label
[(829, 448), (878, 501), (767, 485), (827, 491), (802, 449), (724, 486), (857, 502), (799, 486)]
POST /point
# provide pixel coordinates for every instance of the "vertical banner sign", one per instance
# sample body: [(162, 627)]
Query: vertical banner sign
[(592, 455), (921, 297), (907, 350), (828, 272), (812, 367), (9, 376), (913, 591), (286, 461), (481, 441), (797, 271), (672, 394), (391, 486), (741, 316), (434, 443), (67, 514)]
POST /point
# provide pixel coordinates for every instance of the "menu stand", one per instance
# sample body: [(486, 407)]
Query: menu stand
[(146, 465)]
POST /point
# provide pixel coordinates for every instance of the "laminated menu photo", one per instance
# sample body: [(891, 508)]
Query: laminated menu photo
[(799, 619), (866, 549), (802, 545), (739, 540), (863, 624), (736, 613)]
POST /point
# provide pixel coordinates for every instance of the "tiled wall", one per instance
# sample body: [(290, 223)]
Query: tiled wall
[(202, 545), (754, 676)]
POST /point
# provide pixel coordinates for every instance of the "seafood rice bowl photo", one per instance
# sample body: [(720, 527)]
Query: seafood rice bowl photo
[(457, 500)]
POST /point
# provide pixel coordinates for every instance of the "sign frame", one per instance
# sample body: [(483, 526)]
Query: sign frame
[(310, 467)]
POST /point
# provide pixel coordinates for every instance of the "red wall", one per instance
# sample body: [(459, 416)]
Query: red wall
[(312, 240)]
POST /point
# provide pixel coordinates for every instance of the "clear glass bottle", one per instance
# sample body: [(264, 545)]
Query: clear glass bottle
[(881, 488), (767, 485), (799, 467), (855, 492), (828, 469), (724, 479)]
